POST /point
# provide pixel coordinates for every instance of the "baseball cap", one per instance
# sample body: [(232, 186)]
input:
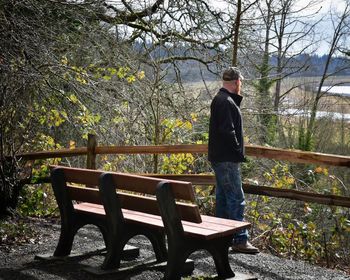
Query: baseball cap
[(231, 74)]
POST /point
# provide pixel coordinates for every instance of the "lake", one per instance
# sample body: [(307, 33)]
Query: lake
[(319, 114), (337, 90)]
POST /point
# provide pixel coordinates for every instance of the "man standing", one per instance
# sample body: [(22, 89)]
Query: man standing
[(226, 152)]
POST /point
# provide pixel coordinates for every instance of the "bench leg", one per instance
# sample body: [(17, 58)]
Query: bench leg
[(219, 251), (158, 242), (114, 253), (177, 257), (65, 242)]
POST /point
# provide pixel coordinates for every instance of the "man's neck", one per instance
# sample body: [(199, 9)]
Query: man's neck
[(230, 89)]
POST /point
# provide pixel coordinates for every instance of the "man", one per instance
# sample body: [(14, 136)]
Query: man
[(226, 152)]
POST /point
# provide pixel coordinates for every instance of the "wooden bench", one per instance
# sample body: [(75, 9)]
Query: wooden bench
[(125, 206)]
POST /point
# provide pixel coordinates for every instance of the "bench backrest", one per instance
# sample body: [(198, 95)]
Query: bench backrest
[(134, 192)]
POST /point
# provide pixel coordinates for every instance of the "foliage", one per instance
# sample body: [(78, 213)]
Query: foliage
[(205, 198), (312, 232), (15, 231), (280, 177), (37, 201), (302, 143), (177, 163)]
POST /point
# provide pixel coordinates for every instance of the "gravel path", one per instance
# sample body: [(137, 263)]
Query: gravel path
[(18, 262)]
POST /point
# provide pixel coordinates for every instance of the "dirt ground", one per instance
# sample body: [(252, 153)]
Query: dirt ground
[(17, 262)]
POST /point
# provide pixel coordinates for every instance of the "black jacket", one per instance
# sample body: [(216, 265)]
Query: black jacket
[(226, 128)]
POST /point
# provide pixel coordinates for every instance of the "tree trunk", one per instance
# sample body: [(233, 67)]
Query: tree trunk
[(337, 36), (9, 186), (236, 33)]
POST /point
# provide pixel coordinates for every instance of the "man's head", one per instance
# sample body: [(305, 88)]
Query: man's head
[(232, 80)]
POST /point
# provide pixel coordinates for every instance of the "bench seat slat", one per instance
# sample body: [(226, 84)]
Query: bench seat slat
[(219, 228), (210, 228), (221, 221)]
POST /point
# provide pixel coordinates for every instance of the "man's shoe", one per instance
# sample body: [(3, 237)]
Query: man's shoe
[(245, 248)]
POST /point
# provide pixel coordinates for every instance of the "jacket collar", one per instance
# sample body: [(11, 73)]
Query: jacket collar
[(236, 98)]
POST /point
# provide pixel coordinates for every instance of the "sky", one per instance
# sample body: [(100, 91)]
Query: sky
[(325, 28)]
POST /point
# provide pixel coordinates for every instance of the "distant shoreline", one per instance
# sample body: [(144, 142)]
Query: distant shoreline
[(337, 90)]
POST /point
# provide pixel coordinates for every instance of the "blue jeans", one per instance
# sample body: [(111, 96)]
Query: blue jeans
[(230, 202)]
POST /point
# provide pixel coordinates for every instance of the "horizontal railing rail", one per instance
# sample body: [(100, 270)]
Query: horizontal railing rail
[(251, 150), (204, 179), (199, 179)]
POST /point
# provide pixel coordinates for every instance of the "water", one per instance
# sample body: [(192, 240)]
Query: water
[(337, 90), (319, 114)]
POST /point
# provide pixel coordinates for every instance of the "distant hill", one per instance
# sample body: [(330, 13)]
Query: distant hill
[(195, 71), (339, 66)]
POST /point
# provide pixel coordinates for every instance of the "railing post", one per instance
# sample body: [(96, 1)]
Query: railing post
[(91, 155)]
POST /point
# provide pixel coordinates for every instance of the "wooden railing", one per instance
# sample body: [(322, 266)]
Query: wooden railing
[(251, 150)]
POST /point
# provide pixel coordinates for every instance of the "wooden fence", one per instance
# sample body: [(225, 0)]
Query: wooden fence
[(296, 156)]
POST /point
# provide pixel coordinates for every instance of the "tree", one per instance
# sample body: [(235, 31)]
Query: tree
[(60, 59), (237, 25), (285, 35), (340, 24), (290, 29)]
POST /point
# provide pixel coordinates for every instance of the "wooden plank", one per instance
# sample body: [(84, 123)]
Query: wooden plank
[(251, 150), (195, 179), (298, 195), (297, 156), (155, 149), (80, 175), (129, 215), (90, 208), (142, 184), (90, 195), (218, 226), (220, 221), (215, 227), (129, 182), (325, 199), (81, 151)]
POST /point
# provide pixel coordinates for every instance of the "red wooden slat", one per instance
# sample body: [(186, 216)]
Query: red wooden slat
[(220, 221), (135, 183)]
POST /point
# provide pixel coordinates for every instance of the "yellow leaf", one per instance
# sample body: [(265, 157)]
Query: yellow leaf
[(64, 60), (131, 79), (71, 144), (141, 75), (318, 169), (194, 117), (325, 171)]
